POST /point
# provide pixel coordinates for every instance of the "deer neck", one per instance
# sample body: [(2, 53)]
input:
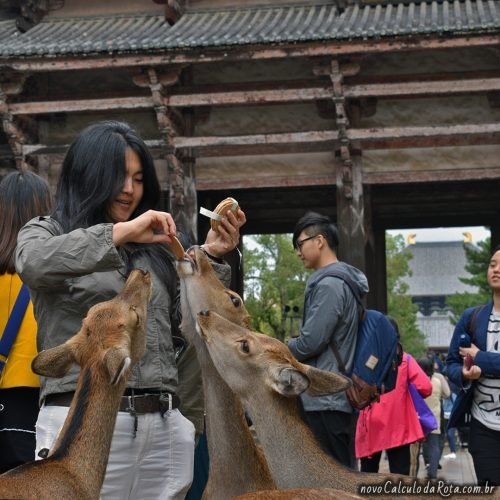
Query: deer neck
[(292, 452), (236, 464), (85, 439)]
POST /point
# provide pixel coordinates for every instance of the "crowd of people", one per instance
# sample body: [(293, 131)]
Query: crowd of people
[(78, 250), (392, 424)]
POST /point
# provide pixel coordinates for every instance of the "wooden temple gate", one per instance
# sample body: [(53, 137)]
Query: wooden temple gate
[(380, 114)]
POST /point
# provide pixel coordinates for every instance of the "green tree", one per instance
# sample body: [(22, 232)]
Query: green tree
[(477, 261), (399, 303), (274, 277)]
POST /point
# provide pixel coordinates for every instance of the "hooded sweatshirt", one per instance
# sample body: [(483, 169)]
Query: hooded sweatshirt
[(330, 315)]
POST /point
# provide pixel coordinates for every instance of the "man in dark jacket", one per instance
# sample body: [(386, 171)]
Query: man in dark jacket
[(330, 315)]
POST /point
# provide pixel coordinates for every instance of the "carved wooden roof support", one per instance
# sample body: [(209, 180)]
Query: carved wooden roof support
[(349, 180), (173, 9), (33, 11), (19, 130), (171, 124)]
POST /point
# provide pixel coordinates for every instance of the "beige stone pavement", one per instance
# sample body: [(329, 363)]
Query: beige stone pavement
[(457, 471)]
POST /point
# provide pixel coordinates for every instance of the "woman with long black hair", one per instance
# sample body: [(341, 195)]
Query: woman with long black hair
[(104, 224), (22, 196)]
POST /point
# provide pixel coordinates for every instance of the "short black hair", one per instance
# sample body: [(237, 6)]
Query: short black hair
[(312, 224), (427, 365)]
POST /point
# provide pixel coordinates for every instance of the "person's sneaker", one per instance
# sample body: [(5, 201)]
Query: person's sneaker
[(450, 456)]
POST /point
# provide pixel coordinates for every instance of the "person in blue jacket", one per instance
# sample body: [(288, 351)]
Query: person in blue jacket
[(479, 383)]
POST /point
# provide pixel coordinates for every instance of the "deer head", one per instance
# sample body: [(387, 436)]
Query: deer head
[(113, 333), (201, 289), (245, 358)]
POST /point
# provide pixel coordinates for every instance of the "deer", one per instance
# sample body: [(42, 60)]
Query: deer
[(111, 341), (237, 465), (299, 494), (262, 371)]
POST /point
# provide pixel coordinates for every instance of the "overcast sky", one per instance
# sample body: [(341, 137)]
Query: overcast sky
[(444, 233)]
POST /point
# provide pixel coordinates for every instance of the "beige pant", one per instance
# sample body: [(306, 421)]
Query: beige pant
[(155, 464)]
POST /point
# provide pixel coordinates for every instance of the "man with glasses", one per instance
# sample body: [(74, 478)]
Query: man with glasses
[(331, 315)]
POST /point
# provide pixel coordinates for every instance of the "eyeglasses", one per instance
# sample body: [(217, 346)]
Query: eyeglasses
[(299, 243)]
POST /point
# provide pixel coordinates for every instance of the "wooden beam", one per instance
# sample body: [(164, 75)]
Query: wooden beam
[(253, 52), (371, 178), (412, 176), (423, 88), (265, 181), (309, 91), (318, 136), (373, 138), (320, 140), (42, 149), (73, 106), (251, 96), (388, 133)]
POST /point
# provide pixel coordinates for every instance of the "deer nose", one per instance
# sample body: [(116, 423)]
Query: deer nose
[(204, 312)]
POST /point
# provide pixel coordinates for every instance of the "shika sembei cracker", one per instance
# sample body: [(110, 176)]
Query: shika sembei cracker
[(219, 212), (177, 248)]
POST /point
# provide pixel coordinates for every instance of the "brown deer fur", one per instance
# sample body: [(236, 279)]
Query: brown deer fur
[(299, 494), (111, 341), (237, 465), (264, 374)]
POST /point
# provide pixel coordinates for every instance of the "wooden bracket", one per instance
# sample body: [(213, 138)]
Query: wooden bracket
[(174, 9), (33, 11)]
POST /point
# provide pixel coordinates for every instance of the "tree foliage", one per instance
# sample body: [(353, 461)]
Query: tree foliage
[(399, 303), (477, 261), (274, 278)]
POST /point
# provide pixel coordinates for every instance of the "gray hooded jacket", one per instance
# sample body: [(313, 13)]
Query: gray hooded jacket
[(330, 314)]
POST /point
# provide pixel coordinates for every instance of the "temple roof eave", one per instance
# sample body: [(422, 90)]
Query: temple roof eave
[(265, 28)]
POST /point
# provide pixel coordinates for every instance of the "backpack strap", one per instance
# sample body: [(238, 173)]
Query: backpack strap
[(350, 283), (13, 324), (471, 327)]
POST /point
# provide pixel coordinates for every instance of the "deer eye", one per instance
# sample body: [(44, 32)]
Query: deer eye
[(244, 346), (236, 301)]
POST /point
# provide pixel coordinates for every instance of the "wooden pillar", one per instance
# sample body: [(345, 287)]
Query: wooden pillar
[(350, 212), (376, 272), (349, 180), (375, 258), (495, 235)]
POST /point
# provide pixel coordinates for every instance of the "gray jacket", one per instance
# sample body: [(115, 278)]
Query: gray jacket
[(330, 315), (69, 273)]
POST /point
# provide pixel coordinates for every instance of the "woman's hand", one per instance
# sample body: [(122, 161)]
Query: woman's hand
[(472, 350), (227, 237), (471, 374), (150, 227)]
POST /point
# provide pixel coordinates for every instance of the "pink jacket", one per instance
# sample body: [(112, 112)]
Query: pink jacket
[(393, 421)]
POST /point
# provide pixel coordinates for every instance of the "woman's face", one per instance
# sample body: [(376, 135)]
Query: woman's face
[(494, 272), (132, 190)]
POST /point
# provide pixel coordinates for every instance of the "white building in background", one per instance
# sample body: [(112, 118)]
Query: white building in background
[(436, 268)]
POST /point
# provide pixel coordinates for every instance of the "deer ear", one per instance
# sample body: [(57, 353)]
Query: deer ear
[(288, 382), (54, 362), (116, 361), (324, 382)]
